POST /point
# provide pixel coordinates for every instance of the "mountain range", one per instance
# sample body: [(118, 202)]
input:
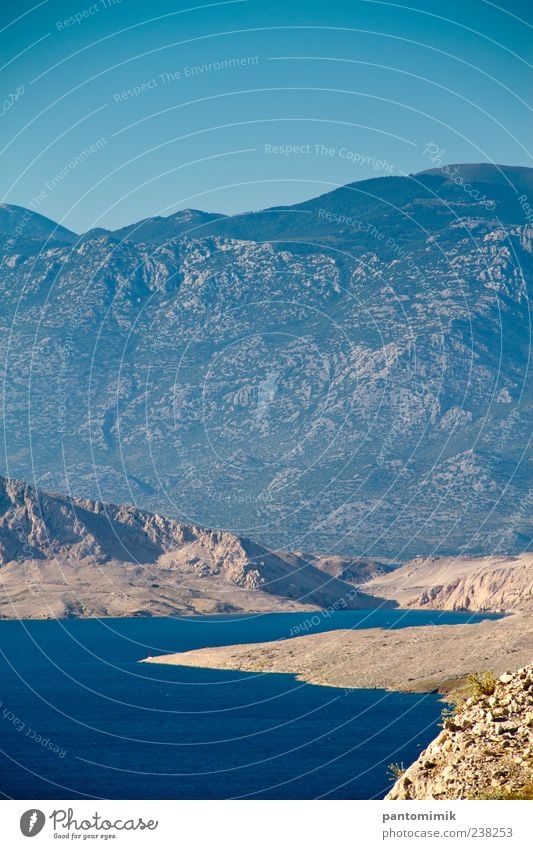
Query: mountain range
[(346, 375), (62, 557)]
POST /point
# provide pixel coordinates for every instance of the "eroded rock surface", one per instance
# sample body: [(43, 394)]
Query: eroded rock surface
[(485, 748), (64, 556), (492, 583)]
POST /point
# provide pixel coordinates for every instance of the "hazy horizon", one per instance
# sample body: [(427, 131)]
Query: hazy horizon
[(196, 107)]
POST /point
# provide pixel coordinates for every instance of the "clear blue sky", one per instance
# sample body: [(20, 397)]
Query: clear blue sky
[(372, 82)]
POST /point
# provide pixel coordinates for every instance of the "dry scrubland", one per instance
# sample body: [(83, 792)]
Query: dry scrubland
[(415, 658)]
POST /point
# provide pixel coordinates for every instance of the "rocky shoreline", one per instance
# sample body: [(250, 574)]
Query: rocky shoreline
[(485, 749), (413, 659)]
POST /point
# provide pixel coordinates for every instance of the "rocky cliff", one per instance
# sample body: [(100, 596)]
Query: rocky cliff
[(485, 749), (494, 583), (509, 587), (67, 556), (348, 374)]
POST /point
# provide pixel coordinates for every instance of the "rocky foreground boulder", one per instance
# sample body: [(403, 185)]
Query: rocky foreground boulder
[(485, 748)]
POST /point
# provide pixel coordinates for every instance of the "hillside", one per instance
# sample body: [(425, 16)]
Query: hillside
[(349, 374), (423, 658), (25, 230), (485, 749), (72, 557), (460, 583)]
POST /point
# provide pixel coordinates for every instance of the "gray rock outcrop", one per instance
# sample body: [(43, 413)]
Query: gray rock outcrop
[(485, 749), (63, 556)]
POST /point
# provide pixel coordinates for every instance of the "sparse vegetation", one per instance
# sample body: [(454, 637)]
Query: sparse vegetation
[(447, 713), (523, 794), (485, 750), (481, 684), (478, 685), (395, 771)]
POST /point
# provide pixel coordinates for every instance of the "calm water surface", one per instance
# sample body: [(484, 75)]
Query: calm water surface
[(81, 718)]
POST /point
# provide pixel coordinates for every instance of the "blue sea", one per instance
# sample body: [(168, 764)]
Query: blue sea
[(81, 718)]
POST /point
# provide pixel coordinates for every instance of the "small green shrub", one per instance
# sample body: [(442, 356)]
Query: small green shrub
[(523, 794), (478, 685), (481, 684), (395, 771)]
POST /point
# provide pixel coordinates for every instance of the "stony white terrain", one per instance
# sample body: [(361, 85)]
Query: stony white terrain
[(460, 583), (414, 658), (71, 557), (347, 375), (484, 751)]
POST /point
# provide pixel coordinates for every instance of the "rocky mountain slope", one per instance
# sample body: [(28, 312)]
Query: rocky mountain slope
[(349, 374), (460, 583), (424, 658), (485, 749), (27, 231), (75, 557)]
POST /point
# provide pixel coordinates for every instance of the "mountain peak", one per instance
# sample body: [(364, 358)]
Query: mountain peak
[(160, 229), (23, 230), (519, 177)]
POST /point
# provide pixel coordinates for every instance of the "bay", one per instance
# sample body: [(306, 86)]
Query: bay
[(80, 717)]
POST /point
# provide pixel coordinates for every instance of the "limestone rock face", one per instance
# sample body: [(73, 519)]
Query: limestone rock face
[(510, 587), (350, 373), (63, 556), (495, 583), (484, 750)]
